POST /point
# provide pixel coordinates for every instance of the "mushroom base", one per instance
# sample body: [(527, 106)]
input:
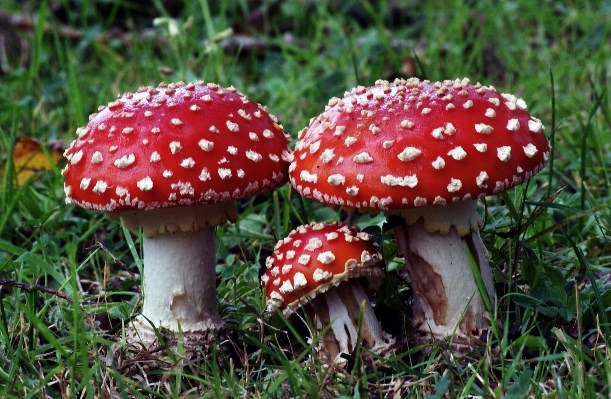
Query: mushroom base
[(341, 307), (447, 303), (180, 284)]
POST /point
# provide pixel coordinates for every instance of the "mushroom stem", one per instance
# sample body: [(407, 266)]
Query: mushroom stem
[(447, 302), (179, 282), (341, 306)]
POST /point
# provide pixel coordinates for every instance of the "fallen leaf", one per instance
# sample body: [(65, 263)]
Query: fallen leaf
[(29, 157)]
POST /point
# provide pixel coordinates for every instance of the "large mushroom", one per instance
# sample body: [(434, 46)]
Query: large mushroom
[(323, 267), (172, 159), (425, 151)]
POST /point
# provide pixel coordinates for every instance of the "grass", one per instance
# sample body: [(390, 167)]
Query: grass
[(547, 238)]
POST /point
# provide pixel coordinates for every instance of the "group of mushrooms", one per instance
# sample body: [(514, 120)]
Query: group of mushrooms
[(173, 159)]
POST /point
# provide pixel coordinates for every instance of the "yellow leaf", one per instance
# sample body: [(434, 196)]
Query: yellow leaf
[(29, 157)]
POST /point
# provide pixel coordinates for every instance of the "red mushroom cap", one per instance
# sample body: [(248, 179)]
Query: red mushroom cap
[(414, 143), (315, 257), (176, 144)]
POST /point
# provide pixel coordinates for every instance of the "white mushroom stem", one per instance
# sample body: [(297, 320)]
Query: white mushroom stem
[(179, 281), (179, 248), (341, 306), (447, 301)]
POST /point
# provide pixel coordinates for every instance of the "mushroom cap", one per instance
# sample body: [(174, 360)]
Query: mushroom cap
[(175, 145), (315, 257), (412, 143)]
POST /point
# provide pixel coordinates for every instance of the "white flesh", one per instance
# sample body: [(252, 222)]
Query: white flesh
[(180, 281), (341, 306), (447, 302), (179, 248)]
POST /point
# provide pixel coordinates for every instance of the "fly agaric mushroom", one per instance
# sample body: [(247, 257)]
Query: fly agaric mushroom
[(425, 151), (172, 159), (320, 267)]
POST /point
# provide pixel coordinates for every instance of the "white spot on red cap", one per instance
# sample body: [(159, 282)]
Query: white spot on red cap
[(313, 244), (145, 184), (513, 124), (206, 145), (244, 114), (233, 127), (325, 257), (286, 287), (253, 156), (439, 163), (308, 177), (299, 280), (363, 157), (175, 147), (535, 126), (155, 157), (457, 153), (100, 187), (336, 179), (504, 153), (439, 201), (331, 236), (327, 155), (455, 185), (481, 147), (450, 129), (204, 175), (406, 124), (187, 163), (224, 173), (482, 180), (304, 259), (125, 161), (320, 275), (85, 183), (483, 128), (352, 191), (409, 153), (490, 113), (349, 141), (530, 150), (76, 157), (438, 133), (176, 122), (406, 181), (97, 157)]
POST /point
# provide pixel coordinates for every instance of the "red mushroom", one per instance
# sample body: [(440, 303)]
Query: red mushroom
[(320, 267), (172, 159), (424, 151)]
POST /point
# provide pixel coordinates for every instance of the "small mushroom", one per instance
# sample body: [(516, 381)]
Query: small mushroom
[(323, 267), (171, 160), (425, 151)]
